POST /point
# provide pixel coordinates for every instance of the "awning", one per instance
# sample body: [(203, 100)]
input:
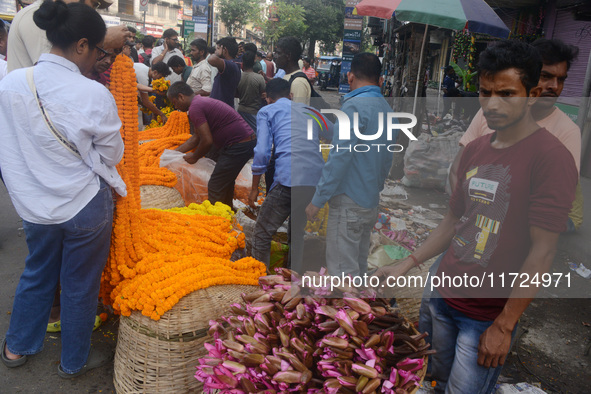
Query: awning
[(378, 8)]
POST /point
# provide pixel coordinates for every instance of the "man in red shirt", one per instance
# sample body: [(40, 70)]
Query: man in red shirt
[(216, 123), (515, 189)]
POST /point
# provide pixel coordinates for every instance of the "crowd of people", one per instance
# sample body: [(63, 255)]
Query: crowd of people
[(514, 180)]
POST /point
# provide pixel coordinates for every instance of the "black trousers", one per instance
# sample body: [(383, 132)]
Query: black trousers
[(229, 164)]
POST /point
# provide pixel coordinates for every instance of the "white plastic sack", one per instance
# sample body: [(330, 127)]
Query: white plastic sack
[(427, 160), (192, 178)]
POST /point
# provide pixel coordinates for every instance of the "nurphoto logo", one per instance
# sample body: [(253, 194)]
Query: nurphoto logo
[(344, 133)]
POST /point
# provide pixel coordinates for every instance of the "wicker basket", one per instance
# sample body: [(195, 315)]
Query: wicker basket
[(161, 356), (161, 197), (409, 298)]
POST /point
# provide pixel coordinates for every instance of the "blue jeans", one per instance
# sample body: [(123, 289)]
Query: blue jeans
[(348, 235), (455, 338), (425, 323), (74, 253)]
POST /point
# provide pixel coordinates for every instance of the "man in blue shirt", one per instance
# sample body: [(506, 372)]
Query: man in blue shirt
[(228, 77), (449, 89), (283, 125), (357, 166)]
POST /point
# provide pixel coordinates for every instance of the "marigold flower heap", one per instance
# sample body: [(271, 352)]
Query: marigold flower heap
[(149, 160), (159, 256)]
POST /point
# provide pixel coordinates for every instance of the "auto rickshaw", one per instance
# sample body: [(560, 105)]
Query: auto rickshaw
[(329, 70)]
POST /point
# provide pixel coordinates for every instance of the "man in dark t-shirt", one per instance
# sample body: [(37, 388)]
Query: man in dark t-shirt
[(215, 124), (228, 77), (514, 192)]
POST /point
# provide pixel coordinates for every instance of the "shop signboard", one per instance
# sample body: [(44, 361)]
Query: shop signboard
[(200, 11), (111, 20), (201, 18), (189, 30), (351, 42)]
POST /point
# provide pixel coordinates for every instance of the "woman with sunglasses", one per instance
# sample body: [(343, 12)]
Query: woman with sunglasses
[(60, 144)]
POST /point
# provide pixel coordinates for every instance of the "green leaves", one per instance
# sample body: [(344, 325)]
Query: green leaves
[(465, 75), (235, 14)]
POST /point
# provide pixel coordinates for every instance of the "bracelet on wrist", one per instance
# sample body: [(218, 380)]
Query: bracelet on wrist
[(416, 261)]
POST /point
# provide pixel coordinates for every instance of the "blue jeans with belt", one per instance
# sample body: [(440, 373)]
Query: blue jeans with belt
[(74, 253)]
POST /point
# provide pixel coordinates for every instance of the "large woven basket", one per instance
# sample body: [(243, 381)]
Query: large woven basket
[(409, 298), (161, 356), (160, 197)]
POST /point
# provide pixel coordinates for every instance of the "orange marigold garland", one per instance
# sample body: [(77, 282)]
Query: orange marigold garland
[(178, 123), (158, 256), (149, 160)]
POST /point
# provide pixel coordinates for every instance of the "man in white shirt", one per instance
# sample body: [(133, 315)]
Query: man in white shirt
[(26, 41), (200, 79), (168, 49)]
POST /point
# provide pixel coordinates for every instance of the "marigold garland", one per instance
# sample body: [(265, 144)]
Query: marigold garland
[(159, 256), (160, 85), (178, 123), (149, 160)]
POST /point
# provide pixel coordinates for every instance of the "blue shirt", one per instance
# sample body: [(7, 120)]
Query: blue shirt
[(360, 175), (225, 83), (283, 124)]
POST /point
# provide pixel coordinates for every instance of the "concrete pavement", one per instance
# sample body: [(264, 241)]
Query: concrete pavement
[(39, 374)]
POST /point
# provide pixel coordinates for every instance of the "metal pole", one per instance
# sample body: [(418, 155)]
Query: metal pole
[(439, 92), (584, 109), (414, 104), (146, 32)]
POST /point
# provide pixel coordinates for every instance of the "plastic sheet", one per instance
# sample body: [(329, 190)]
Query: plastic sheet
[(193, 178)]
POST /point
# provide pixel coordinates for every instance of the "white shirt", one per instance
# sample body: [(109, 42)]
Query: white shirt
[(200, 78), (141, 73), (46, 182), (26, 41), (173, 77), (214, 70), (3, 64)]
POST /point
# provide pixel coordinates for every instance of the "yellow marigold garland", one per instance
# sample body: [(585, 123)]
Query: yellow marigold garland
[(160, 85), (219, 209), (158, 256)]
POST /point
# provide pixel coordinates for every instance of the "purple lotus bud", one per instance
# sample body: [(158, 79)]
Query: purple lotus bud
[(410, 364), (407, 376)]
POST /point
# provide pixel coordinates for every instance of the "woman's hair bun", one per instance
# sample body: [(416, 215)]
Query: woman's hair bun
[(51, 15)]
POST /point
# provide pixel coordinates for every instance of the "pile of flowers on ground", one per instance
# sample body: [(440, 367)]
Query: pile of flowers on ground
[(178, 123), (292, 339), (157, 256)]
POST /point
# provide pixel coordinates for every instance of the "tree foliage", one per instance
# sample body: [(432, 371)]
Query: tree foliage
[(291, 22), (235, 14), (325, 21)]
